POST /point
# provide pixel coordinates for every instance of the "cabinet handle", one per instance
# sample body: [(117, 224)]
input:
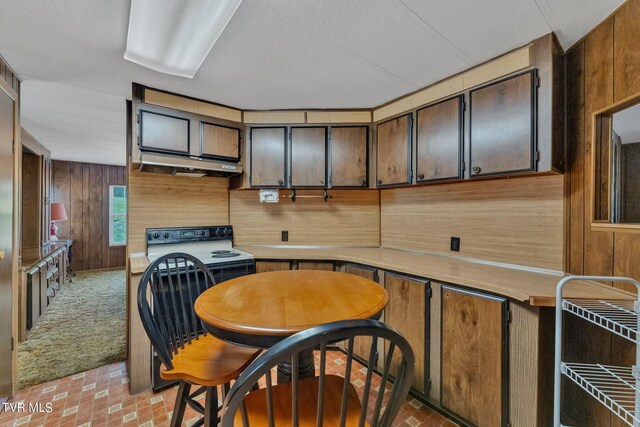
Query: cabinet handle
[(364, 181), (321, 182), (476, 169), (420, 176), (379, 182), (280, 182)]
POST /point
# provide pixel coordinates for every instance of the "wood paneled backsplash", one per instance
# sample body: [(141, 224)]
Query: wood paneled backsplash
[(350, 218), (164, 200), (517, 221), (84, 190)]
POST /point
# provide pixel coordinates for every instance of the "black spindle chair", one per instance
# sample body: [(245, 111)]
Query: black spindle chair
[(188, 354), (326, 399)]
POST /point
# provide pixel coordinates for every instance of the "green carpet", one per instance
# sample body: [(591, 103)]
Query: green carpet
[(83, 328)]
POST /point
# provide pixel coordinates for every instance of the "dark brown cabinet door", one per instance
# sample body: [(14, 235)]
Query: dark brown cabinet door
[(219, 142), (439, 141), (474, 356), (503, 126), (268, 153), (394, 152), (308, 156), (164, 133), (362, 345), (349, 156), (407, 312)]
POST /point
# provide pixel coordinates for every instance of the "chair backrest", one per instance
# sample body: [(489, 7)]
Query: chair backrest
[(378, 405), (173, 282)]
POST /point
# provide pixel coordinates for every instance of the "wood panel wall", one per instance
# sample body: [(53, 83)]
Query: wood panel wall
[(164, 200), (517, 221), (602, 68), (84, 190), (350, 218)]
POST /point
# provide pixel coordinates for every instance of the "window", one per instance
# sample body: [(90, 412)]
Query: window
[(117, 215)]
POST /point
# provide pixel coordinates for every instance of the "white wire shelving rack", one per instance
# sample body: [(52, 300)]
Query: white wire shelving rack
[(616, 387)]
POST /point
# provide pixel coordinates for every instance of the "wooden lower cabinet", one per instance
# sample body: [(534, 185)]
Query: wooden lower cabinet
[(303, 265), (40, 286), (474, 356), (362, 345), (266, 266), (408, 312)]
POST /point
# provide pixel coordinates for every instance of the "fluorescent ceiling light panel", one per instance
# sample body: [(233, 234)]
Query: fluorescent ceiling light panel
[(175, 36)]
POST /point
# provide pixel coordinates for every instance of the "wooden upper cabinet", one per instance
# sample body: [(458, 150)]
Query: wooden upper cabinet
[(164, 133), (349, 156), (407, 312), (219, 142), (474, 357), (439, 141), (268, 153), (503, 117), (394, 152), (308, 157)]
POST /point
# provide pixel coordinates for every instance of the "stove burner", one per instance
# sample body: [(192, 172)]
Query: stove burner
[(224, 254)]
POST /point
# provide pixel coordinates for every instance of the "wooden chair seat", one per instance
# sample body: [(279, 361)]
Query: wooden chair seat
[(209, 361), (256, 404)]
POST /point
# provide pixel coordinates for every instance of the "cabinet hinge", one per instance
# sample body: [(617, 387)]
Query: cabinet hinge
[(376, 276), (429, 292), (464, 106), (13, 145), (464, 166), (138, 118), (509, 316), (429, 384), (538, 81), (12, 343), (537, 156)]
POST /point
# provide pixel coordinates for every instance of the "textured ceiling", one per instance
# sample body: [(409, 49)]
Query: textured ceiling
[(274, 54)]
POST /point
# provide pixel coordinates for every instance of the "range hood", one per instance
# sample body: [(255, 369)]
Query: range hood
[(166, 163)]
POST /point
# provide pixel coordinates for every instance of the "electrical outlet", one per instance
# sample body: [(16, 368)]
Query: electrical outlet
[(455, 244), (285, 235)]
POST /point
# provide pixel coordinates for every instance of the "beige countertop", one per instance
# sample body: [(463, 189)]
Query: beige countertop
[(33, 256), (537, 287)]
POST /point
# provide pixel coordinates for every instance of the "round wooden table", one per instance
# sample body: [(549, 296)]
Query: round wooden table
[(262, 309)]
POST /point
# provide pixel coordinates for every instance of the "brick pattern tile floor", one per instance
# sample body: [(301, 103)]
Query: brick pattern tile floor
[(100, 397)]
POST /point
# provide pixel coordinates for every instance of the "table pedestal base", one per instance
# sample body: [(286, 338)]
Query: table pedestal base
[(306, 367)]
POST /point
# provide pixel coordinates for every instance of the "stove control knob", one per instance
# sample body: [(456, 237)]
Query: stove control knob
[(165, 235), (227, 232), (201, 233), (155, 235)]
